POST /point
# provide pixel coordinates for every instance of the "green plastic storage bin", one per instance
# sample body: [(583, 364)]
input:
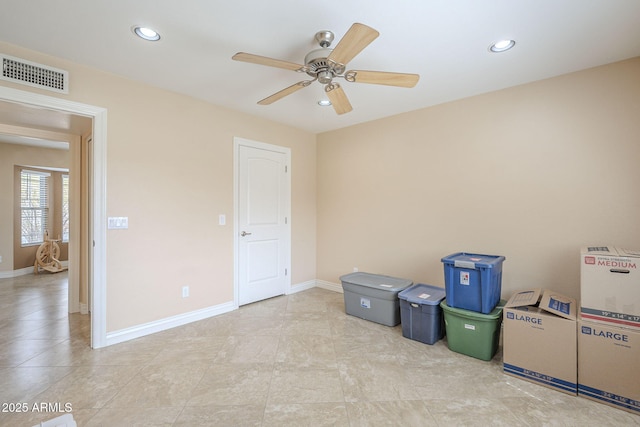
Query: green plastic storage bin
[(472, 333)]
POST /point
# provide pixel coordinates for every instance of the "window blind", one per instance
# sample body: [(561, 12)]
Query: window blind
[(34, 206), (65, 208)]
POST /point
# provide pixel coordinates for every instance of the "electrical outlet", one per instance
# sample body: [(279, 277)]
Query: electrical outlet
[(355, 269), (185, 291)]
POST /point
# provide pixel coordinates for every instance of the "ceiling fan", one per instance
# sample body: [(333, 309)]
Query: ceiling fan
[(326, 64)]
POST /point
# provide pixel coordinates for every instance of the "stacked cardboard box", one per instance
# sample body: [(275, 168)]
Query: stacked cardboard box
[(539, 340), (610, 286), (609, 327)]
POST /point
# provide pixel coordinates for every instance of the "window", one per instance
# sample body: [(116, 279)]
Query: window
[(65, 208), (34, 206)]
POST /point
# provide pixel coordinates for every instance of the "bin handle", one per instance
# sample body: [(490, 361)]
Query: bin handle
[(464, 264), (619, 270)]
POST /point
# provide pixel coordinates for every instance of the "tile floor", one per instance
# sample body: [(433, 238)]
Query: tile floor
[(295, 360)]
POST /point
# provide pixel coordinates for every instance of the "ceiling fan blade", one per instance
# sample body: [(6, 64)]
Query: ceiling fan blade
[(382, 78), (338, 98), (357, 38), (284, 92), (263, 60)]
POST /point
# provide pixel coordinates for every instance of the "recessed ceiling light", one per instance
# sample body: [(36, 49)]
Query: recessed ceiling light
[(324, 103), (502, 45), (146, 33)]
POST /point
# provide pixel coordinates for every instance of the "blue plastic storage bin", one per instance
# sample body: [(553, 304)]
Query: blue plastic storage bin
[(473, 281), (420, 313)]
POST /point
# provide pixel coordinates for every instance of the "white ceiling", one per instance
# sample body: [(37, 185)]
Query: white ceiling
[(445, 41)]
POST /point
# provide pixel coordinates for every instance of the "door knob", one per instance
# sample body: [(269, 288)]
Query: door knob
[(244, 233)]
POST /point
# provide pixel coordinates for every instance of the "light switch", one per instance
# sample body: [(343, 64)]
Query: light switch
[(118, 222), (222, 220)]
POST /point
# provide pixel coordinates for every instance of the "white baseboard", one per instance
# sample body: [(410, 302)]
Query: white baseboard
[(181, 319), (167, 323), (302, 287), (84, 308), (16, 273), (24, 271), (329, 286), (316, 284)]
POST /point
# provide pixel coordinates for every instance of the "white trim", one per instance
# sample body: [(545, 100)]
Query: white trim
[(24, 271), (236, 202), (237, 142), (329, 286), (99, 168), (16, 273), (302, 287), (168, 323)]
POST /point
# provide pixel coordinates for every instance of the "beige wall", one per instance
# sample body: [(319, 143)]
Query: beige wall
[(532, 173), (15, 257), (170, 170)]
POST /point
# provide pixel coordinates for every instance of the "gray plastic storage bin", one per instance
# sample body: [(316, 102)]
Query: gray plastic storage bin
[(373, 297), (421, 314)]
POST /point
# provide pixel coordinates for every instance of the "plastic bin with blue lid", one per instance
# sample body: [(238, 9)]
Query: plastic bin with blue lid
[(420, 312), (473, 281)]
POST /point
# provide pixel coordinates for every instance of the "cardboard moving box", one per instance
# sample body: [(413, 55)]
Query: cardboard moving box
[(610, 286), (609, 365), (539, 339)]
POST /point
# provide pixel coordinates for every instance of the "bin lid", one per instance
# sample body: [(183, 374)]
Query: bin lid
[(496, 313), (377, 281), (469, 260), (423, 294)]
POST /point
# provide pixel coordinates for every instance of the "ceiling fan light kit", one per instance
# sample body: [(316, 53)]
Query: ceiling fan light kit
[(326, 64)]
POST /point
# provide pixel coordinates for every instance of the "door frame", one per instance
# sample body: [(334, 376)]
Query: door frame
[(237, 143), (98, 221)]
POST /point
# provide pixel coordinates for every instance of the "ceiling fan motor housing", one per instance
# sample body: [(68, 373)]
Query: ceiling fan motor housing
[(317, 65)]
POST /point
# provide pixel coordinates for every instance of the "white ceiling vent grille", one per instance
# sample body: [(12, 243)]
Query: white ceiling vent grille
[(18, 70)]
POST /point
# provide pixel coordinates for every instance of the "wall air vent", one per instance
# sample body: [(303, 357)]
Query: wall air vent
[(18, 70)]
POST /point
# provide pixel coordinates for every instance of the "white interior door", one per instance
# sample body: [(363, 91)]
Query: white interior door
[(263, 236)]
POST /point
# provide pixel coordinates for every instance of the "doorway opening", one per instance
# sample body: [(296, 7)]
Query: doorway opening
[(14, 103)]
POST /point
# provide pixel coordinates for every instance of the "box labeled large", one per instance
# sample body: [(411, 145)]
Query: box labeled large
[(608, 365), (421, 314), (539, 342), (373, 297), (472, 333), (473, 281), (610, 286)]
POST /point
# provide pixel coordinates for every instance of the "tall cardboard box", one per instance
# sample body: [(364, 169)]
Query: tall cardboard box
[(610, 286), (609, 365), (539, 339)]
